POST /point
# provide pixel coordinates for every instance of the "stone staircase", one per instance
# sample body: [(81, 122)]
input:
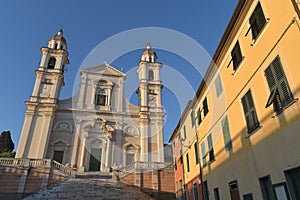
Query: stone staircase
[(87, 187)]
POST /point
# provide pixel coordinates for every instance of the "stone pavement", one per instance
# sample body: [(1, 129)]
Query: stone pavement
[(84, 189)]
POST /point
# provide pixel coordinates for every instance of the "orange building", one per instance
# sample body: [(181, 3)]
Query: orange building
[(245, 117)]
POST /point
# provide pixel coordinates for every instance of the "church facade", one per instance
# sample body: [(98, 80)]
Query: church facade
[(98, 128)]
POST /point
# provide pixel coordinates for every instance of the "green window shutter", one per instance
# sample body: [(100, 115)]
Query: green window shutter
[(193, 118), (257, 21), (205, 106), (187, 162), (250, 112), (218, 86), (210, 148), (236, 55), (196, 152), (199, 119), (280, 93), (203, 154), (184, 133), (226, 134)]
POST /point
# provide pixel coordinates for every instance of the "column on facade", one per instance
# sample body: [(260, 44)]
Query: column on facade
[(81, 153), (76, 138), (118, 148), (44, 135), (160, 141), (24, 143), (144, 141), (81, 96), (108, 154)]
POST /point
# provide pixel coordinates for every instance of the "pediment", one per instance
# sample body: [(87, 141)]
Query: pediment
[(103, 69)]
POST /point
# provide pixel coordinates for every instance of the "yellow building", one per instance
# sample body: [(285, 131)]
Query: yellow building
[(246, 110)]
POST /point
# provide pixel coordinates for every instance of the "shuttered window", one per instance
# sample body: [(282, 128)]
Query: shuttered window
[(203, 154), (205, 106), (250, 112), (218, 85), (196, 152), (257, 21), (184, 133), (280, 93), (193, 118), (236, 55), (187, 162), (210, 148), (199, 119), (226, 134)]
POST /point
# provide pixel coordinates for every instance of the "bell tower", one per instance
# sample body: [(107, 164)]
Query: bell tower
[(151, 112), (44, 99)]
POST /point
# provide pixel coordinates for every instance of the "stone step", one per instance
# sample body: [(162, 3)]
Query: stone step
[(94, 175), (76, 188)]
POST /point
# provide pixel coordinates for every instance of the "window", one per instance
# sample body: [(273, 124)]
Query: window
[(257, 21), (186, 191), (203, 153), (58, 156), (193, 118), (210, 148), (180, 159), (101, 97), (250, 112), (205, 106), (195, 191), (218, 86), (281, 191), (150, 75), (51, 63), (199, 119), (293, 182), (181, 190), (226, 134), (129, 158), (248, 196), (184, 133), (280, 93), (234, 190), (175, 165), (187, 162), (236, 55), (267, 188), (196, 152), (205, 190), (216, 194)]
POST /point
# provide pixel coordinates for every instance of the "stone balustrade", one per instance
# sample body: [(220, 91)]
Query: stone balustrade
[(63, 168), (37, 163)]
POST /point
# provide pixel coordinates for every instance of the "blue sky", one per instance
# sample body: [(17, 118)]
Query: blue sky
[(26, 26)]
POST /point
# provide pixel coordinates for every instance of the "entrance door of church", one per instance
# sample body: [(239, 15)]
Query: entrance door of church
[(95, 160), (58, 156), (129, 158)]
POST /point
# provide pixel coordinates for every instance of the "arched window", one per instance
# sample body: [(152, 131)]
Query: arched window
[(51, 63), (130, 152), (101, 97), (150, 75)]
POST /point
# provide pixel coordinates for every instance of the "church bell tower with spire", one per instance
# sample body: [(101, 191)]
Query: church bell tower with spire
[(43, 102), (151, 111)]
